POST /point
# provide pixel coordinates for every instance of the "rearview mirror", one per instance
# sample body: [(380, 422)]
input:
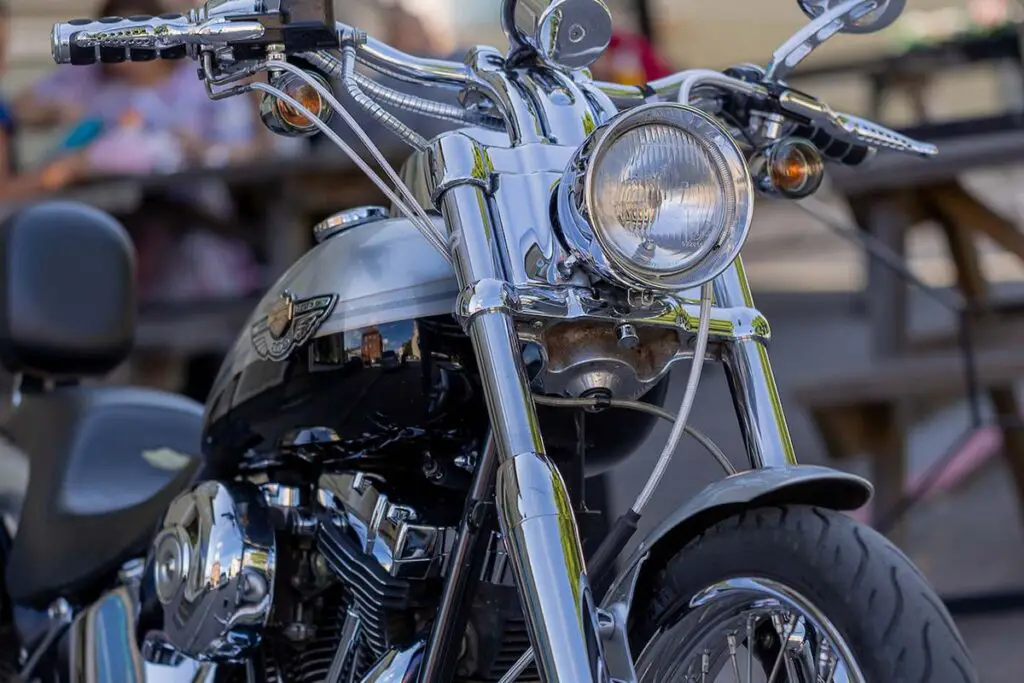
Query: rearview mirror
[(881, 16)]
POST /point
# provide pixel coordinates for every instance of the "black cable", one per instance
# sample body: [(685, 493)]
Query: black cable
[(733, 121)]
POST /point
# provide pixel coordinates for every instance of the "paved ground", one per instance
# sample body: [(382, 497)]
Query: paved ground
[(966, 541)]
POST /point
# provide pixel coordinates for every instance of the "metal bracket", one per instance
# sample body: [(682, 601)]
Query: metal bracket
[(611, 627)]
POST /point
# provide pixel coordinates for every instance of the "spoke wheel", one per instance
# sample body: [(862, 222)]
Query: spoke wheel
[(749, 630), (791, 594)]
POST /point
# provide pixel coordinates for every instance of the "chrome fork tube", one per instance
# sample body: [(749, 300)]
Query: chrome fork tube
[(752, 382), (533, 506)]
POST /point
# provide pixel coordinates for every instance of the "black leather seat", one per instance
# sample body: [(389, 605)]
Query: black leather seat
[(104, 462)]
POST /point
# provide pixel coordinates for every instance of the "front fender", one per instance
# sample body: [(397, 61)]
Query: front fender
[(794, 485)]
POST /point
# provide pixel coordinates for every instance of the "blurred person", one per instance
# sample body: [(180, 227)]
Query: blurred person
[(407, 32), (629, 60), (147, 117), (13, 184)]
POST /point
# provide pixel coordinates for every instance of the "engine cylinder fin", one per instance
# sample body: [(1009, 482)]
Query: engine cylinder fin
[(311, 661), (382, 601)]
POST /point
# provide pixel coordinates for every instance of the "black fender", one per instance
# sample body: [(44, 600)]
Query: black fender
[(793, 485)]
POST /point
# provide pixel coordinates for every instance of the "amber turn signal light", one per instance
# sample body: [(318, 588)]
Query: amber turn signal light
[(791, 168), (283, 118)]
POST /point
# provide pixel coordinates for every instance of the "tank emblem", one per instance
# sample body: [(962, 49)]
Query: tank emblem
[(166, 459), (290, 323), (279, 319)]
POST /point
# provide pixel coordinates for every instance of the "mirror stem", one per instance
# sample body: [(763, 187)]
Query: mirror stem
[(810, 37)]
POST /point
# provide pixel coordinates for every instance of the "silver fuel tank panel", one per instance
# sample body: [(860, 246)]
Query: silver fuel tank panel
[(364, 353)]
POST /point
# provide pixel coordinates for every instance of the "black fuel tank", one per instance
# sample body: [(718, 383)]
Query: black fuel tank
[(400, 395)]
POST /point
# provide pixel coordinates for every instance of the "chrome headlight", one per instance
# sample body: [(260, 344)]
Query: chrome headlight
[(660, 198)]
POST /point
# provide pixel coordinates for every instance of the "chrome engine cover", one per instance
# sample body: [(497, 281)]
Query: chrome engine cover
[(213, 565), (394, 536), (390, 557)]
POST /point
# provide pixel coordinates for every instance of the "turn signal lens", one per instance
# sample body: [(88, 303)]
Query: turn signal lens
[(790, 168), (307, 96), (283, 118)]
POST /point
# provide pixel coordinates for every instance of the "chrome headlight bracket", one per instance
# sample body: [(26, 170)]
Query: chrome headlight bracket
[(589, 243)]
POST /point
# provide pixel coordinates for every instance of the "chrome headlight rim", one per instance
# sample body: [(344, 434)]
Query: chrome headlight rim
[(591, 246)]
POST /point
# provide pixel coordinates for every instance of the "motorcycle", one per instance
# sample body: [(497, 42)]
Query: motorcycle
[(392, 457)]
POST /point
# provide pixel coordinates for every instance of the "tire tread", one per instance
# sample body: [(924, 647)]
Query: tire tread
[(896, 625)]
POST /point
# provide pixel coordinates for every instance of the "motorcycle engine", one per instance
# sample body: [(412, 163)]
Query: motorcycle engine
[(212, 566), (317, 583)]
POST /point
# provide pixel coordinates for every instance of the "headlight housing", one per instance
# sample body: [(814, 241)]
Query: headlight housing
[(660, 199)]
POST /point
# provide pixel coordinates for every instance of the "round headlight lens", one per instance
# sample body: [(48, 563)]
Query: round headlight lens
[(661, 198)]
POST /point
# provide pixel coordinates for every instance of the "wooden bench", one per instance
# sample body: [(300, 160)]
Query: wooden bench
[(894, 195), (867, 412)]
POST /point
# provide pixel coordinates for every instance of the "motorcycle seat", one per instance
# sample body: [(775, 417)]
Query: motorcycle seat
[(103, 465)]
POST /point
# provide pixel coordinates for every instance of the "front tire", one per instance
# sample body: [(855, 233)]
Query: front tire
[(882, 609)]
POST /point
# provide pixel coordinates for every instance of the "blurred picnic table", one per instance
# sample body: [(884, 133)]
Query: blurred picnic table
[(286, 195), (912, 71), (867, 413)]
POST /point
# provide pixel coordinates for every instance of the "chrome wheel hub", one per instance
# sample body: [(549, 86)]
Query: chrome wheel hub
[(749, 630)]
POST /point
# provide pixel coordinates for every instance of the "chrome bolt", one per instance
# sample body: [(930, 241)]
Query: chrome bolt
[(401, 513), (626, 336), (466, 462)]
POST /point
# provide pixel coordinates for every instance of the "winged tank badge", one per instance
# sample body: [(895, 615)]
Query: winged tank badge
[(279, 319), (290, 323)]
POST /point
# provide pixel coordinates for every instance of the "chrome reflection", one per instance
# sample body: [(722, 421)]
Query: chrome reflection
[(387, 531), (716, 637), (395, 535), (213, 566), (388, 346)]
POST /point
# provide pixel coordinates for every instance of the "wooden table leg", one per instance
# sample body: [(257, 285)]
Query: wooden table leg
[(886, 297), (959, 207), (888, 464), (975, 288), (885, 291)]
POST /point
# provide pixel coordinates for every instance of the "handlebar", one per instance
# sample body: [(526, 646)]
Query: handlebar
[(841, 138), (143, 38)]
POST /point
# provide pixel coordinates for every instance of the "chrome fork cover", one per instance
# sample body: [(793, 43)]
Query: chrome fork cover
[(213, 565)]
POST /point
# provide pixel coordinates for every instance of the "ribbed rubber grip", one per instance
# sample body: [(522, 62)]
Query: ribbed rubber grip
[(833, 149), (119, 39)]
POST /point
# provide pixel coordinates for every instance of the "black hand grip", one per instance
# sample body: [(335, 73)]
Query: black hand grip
[(833, 149), (118, 39)]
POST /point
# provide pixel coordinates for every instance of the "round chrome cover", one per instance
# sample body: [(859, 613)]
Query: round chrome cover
[(881, 14), (213, 569), (568, 33), (589, 243)]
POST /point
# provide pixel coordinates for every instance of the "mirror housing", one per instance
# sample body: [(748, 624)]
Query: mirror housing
[(882, 16), (570, 34)]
